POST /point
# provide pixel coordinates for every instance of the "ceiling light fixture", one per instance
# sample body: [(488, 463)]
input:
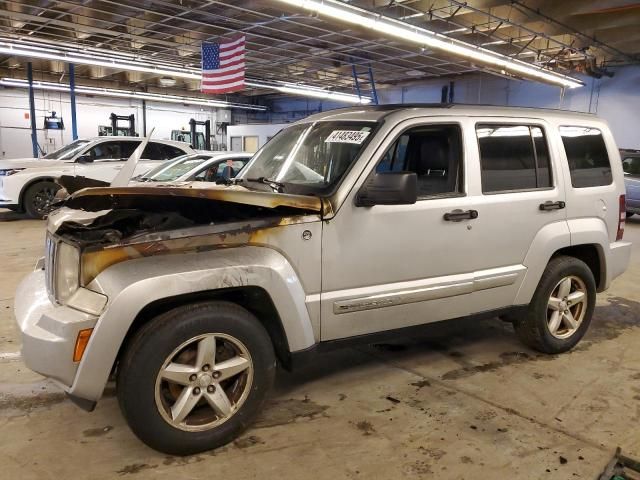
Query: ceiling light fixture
[(116, 93), (127, 62), (404, 31)]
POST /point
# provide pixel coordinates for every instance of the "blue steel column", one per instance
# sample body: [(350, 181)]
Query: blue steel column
[(374, 93), (72, 89), (32, 111), (355, 79)]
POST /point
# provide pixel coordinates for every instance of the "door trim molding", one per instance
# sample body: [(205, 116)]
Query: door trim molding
[(402, 294)]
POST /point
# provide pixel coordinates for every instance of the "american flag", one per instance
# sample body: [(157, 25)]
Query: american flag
[(223, 66)]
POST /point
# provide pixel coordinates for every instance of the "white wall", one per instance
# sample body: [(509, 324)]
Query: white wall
[(15, 129), (262, 131)]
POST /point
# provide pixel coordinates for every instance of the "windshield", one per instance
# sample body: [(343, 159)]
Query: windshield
[(309, 158), (631, 166), (68, 151), (156, 173)]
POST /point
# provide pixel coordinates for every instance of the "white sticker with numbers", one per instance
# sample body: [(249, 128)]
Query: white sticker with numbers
[(347, 136)]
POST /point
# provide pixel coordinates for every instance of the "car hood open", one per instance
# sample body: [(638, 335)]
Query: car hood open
[(108, 197)]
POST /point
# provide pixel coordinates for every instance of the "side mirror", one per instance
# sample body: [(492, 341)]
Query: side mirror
[(389, 188), (84, 159)]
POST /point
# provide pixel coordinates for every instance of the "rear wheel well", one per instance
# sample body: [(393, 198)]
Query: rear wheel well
[(589, 254), (254, 299), (28, 185)]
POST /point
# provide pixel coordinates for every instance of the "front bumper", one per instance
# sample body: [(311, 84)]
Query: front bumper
[(49, 331)]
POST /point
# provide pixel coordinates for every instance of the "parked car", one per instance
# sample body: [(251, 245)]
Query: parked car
[(631, 167), (29, 184), (353, 225), (204, 167)]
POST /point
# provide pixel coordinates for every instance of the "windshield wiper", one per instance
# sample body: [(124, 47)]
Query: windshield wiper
[(277, 186)]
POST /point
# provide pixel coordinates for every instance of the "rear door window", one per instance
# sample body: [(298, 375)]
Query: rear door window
[(587, 156), (513, 157)]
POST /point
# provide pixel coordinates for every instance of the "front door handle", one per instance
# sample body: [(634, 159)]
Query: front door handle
[(459, 215), (549, 205)]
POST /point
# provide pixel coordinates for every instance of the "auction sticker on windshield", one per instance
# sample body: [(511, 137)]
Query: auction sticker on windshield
[(347, 136)]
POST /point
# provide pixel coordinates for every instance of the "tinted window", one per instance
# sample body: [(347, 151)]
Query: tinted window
[(127, 148), (227, 169), (513, 157), (631, 165), (153, 151), (105, 151), (434, 153), (169, 151), (587, 156)]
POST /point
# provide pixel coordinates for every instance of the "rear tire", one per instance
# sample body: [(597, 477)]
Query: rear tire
[(39, 197), (164, 373), (629, 214), (561, 309)]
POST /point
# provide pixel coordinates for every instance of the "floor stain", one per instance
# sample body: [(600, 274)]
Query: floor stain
[(180, 461), (282, 412), (28, 403), (507, 358), (249, 441), (97, 432), (134, 468), (418, 468), (434, 453), (365, 427), (421, 384)]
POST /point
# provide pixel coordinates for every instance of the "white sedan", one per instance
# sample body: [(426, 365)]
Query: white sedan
[(28, 184), (204, 167)]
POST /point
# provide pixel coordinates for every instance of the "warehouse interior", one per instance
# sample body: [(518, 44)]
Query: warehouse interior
[(456, 399)]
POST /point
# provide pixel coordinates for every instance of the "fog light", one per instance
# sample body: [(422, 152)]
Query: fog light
[(81, 343)]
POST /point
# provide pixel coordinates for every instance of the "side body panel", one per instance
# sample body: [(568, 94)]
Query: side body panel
[(387, 267)]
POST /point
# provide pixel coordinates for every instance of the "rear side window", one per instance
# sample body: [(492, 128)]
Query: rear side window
[(587, 156), (513, 157), (169, 151)]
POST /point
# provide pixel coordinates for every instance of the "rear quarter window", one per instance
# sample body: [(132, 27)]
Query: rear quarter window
[(587, 156)]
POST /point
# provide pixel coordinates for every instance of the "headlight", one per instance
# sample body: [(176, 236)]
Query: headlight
[(67, 271), (10, 171)]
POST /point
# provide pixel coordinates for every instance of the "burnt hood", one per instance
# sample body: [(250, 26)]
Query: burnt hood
[(167, 197)]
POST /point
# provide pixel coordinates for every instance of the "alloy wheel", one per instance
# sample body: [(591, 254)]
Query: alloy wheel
[(204, 382), (566, 307)]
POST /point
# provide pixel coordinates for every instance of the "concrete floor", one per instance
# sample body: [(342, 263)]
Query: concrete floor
[(466, 400)]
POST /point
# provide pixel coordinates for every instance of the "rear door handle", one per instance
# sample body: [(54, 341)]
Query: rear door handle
[(549, 205), (459, 215)]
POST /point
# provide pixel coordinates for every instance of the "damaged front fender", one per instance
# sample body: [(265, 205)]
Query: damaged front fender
[(132, 285)]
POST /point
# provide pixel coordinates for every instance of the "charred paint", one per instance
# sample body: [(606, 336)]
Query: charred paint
[(234, 194), (149, 221)]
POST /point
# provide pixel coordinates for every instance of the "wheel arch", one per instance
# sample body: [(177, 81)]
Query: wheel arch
[(254, 299), (29, 184), (592, 255)]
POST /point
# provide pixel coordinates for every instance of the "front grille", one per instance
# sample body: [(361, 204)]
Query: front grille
[(50, 264)]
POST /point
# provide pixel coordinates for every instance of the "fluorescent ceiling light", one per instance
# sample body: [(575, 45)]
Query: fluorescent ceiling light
[(128, 62), (116, 93), (426, 38), (308, 91)]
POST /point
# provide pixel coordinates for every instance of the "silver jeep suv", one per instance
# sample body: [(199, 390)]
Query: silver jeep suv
[(349, 225)]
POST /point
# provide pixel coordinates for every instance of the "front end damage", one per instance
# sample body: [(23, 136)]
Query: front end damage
[(112, 225), (61, 302)]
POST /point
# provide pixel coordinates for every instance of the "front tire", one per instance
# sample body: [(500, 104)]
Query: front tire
[(39, 197), (561, 309), (193, 378)]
